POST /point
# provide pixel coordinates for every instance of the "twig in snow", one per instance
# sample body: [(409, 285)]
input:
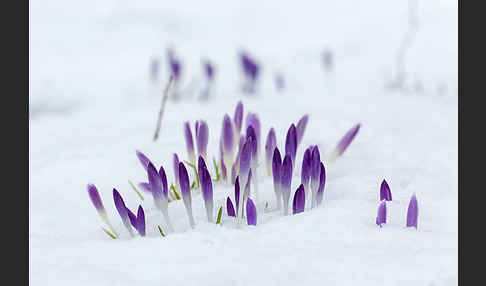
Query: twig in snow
[(162, 107)]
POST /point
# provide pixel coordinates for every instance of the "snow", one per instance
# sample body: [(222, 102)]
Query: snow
[(92, 106)]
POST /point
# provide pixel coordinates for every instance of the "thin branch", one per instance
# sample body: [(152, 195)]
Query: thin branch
[(162, 107)]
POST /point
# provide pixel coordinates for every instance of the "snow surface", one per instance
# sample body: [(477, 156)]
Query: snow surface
[(92, 105)]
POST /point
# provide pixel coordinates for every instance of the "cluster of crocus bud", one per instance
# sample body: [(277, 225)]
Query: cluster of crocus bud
[(385, 195)]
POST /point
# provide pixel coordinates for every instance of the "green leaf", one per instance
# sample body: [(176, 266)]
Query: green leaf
[(160, 230), (195, 171), (109, 233), (220, 213), (176, 194), (218, 176), (136, 190), (193, 185)]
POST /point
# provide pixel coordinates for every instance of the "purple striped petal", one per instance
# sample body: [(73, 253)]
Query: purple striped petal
[(385, 193), (270, 146), (141, 221), (133, 218), (301, 125), (291, 142), (381, 216), (176, 169), (322, 183), (206, 186), (250, 133), (144, 160), (253, 121), (202, 137), (163, 179), (298, 204), (230, 210), (238, 117), (145, 187), (412, 212), (94, 195), (251, 214), (286, 181), (186, 192), (306, 168), (346, 140), (189, 142)]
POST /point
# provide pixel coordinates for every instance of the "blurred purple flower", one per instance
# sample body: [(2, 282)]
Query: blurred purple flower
[(412, 212), (270, 146), (251, 214), (301, 126), (298, 204), (385, 193), (345, 141), (238, 118), (154, 69), (202, 137), (189, 143), (279, 82), (174, 65), (250, 69), (208, 70), (227, 142)]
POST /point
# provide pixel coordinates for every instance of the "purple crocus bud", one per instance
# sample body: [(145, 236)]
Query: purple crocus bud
[(291, 142), (159, 190), (286, 181), (122, 210), (345, 141), (141, 221), (253, 121), (143, 159), (238, 118), (133, 218), (145, 187), (250, 132), (306, 169), (237, 193), (176, 170), (322, 183), (189, 143), (298, 204), (245, 160), (94, 195), (301, 125), (315, 170), (269, 149), (165, 186), (230, 210), (276, 172), (251, 214), (412, 212), (202, 137), (385, 193), (186, 192), (381, 216), (206, 186), (227, 140)]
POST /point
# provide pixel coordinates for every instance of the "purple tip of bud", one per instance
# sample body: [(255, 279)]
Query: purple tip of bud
[(230, 210), (381, 216), (205, 180), (347, 139), (286, 173), (189, 142), (227, 134), (202, 137), (270, 147), (238, 117), (253, 121), (385, 193), (251, 214), (184, 180), (298, 204), (250, 133), (120, 205), (133, 218), (322, 183), (163, 179), (176, 168), (155, 181), (144, 186), (144, 160), (276, 167), (140, 221), (301, 125), (94, 195), (412, 212), (291, 142), (237, 192), (306, 168)]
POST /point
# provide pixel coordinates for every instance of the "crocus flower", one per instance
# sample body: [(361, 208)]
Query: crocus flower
[(322, 183), (238, 118), (186, 192), (306, 169), (237, 193), (206, 186), (141, 221), (286, 181), (122, 210), (315, 170), (381, 216), (202, 137), (159, 190), (176, 170), (269, 149), (345, 141), (276, 172), (230, 210), (251, 213), (298, 204), (291, 142), (227, 141), (412, 212), (385, 193), (189, 143), (94, 195), (245, 160), (143, 159), (301, 125), (253, 121)]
